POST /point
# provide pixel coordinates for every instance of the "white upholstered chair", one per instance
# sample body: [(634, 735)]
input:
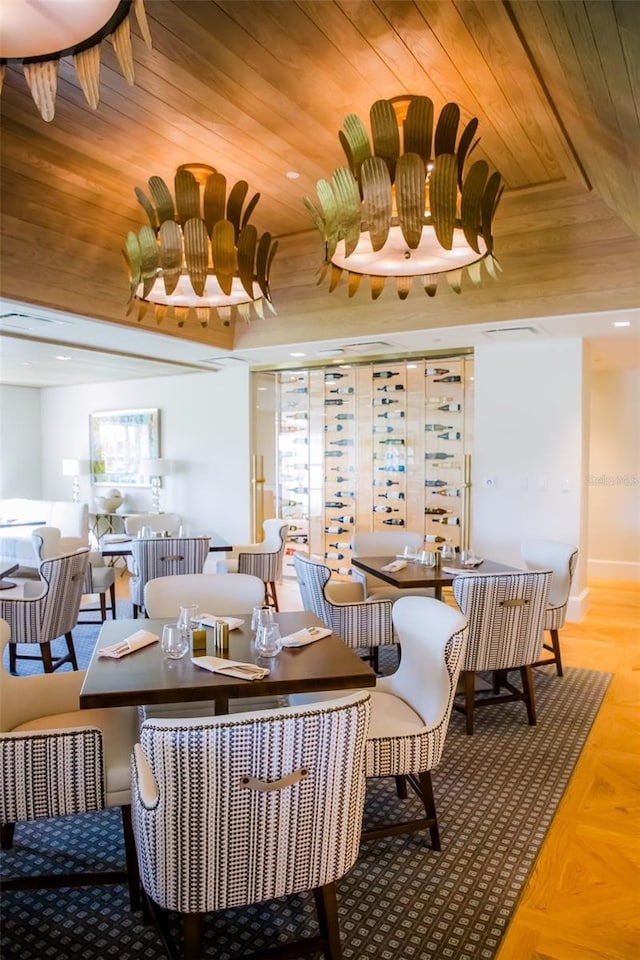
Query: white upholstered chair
[(157, 522), (280, 815), (58, 760), (213, 592), (360, 623), (386, 543), (164, 557), (561, 559), (47, 609), (506, 615), (263, 559), (99, 579)]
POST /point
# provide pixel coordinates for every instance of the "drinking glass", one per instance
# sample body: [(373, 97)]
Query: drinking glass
[(174, 642), (146, 533), (467, 558), (187, 617), (268, 640), (261, 616), (448, 551), (428, 558), (183, 530), (409, 553)]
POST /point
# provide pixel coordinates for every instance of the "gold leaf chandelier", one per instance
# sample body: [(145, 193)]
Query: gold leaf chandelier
[(40, 34), (405, 208), (199, 258)]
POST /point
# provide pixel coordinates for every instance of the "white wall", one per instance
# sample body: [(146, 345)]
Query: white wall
[(203, 428), (614, 475), (20, 441), (530, 440)]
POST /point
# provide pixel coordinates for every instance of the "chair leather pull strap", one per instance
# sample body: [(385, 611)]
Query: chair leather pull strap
[(173, 556), (263, 786), (513, 603)]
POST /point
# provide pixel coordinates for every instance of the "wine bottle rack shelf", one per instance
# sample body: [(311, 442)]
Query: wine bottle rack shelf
[(373, 447)]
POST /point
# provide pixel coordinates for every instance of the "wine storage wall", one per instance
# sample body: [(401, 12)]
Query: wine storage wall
[(373, 447)]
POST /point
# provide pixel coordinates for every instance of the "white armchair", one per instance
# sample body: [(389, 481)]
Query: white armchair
[(561, 559), (262, 560), (100, 578)]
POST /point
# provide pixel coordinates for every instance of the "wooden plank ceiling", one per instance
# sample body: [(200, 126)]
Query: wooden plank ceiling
[(258, 89)]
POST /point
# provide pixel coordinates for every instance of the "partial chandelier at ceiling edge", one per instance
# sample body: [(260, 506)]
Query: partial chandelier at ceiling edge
[(199, 258), (412, 214)]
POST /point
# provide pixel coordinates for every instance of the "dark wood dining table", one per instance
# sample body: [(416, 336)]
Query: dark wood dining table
[(147, 677), (120, 546), (415, 574), (7, 567)]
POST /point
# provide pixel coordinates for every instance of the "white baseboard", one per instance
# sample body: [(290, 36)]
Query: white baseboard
[(577, 606), (613, 569)]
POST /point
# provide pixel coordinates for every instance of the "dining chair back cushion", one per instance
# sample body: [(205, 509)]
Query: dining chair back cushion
[(386, 543), (165, 557), (506, 618), (274, 804), (213, 593), (561, 559), (99, 577), (157, 522), (263, 559)]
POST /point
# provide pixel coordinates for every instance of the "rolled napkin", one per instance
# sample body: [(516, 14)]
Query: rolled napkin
[(231, 668), (137, 640), (394, 565), (210, 620), (307, 635)]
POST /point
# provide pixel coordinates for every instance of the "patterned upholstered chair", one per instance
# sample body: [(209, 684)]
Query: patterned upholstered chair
[(48, 609), (262, 560), (99, 579), (385, 543), (561, 559), (359, 622), (164, 557), (213, 592), (506, 615), (273, 769), (57, 760)]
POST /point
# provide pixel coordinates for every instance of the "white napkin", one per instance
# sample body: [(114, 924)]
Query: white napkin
[(394, 565), (209, 620), (307, 635), (458, 571), (137, 640), (231, 668)]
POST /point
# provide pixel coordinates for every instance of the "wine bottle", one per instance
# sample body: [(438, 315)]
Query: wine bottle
[(395, 441), (448, 380), (337, 470), (343, 390), (345, 443), (378, 509), (334, 376), (300, 490), (392, 468), (392, 413), (430, 538), (292, 503), (450, 435), (438, 399), (438, 456), (451, 407), (435, 426), (394, 523), (334, 504), (345, 416), (344, 519), (345, 493), (435, 483), (299, 537), (340, 546), (447, 493), (382, 400), (385, 374), (339, 479), (386, 483), (336, 530), (436, 510), (333, 426), (392, 495), (300, 440), (390, 386), (300, 415), (435, 371), (345, 571), (334, 453), (297, 390), (452, 520), (382, 429), (334, 556), (293, 528), (334, 402)]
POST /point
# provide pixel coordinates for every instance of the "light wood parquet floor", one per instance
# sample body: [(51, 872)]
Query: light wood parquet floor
[(582, 900)]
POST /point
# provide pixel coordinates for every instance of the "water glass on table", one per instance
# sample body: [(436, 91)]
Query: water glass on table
[(261, 616), (268, 639), (175, 642)]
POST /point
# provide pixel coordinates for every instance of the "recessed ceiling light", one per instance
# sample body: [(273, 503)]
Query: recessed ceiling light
[(298, 353), (622, 323), (261, 388), (292, 175), (61, 357)]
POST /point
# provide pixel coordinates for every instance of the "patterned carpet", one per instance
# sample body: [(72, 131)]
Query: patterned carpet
[(496, 794)]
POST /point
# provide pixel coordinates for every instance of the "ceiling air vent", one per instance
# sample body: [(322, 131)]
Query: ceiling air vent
[(221, 362), (512, 333), (368, 345), (27, 321)]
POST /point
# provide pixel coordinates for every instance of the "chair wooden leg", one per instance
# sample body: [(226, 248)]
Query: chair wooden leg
[(327, 909), (426, 791), (469, 680), (555, 641), (12, 658), (103, 607), (112, 593), (272, 594), (6, 836), (47, 660), (192, 932), (72, 650), (130, 857), (528, 689), (375, 659), (401, 788)]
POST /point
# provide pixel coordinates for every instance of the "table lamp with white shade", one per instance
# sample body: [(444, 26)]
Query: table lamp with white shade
[(76, 469), (155, 469)]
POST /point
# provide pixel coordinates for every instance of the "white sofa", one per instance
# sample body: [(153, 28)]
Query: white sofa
[(72, 519)]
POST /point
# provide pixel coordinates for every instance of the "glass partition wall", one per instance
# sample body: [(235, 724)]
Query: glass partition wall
[(376, 446)]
